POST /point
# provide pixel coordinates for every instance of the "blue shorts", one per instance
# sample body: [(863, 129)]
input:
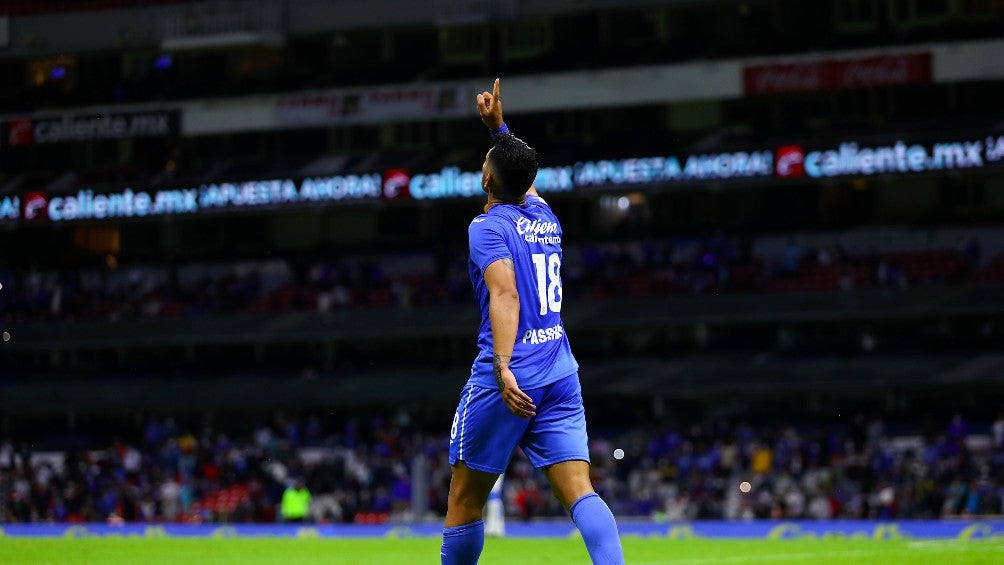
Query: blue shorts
[(485, 432)]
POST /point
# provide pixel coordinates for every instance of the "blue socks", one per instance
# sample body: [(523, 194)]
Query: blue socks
[(598, 528), (462, 545)]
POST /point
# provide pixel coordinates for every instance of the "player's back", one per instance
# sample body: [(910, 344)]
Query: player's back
[(529, 234)]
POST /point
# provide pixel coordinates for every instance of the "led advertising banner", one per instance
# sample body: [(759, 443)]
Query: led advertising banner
[(86, 205), (10, 208), (451, 182), (876, 531), (393, 184), (851, 158), (842, 159), (72, 128)]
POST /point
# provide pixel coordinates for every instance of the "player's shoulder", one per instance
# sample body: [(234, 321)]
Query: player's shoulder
[(541, 209), (539, 205), (486, 221), (537, 200), (482, 220)]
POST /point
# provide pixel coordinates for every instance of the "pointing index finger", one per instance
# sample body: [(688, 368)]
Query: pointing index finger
[(495, 91)]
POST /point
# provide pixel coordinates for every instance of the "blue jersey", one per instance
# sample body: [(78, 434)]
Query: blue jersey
[(530, 235)]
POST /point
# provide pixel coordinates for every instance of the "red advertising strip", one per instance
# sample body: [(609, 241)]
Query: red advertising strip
[(775, 79), (818, 76), (882, 71), (372, 105)]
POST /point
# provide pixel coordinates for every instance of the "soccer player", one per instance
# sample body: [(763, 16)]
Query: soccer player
[(524, 385)]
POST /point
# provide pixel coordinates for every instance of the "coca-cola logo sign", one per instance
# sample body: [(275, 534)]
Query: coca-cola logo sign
[(883, 71), (838, 75)]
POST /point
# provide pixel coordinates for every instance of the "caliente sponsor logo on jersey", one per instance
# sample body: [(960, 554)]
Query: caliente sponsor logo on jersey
[(538, 231)]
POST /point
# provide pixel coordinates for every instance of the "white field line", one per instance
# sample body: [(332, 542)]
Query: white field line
[(922, 546), (981, 544), (770, 558)]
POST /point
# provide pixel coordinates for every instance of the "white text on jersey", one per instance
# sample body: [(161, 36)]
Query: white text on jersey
[(536, 231), (542, 335)]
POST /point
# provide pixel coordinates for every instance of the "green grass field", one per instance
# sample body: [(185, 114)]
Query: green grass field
[(638, 551)]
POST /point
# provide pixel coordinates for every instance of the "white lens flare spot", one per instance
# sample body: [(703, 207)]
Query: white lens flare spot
[(745, 487), (618, 454)]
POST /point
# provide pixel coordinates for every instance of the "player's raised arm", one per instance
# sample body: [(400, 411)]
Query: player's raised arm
[(490, 109)]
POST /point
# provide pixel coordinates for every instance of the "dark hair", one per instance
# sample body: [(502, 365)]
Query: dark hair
[(514, 164)]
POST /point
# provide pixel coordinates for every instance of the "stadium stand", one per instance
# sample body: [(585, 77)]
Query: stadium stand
[(635, 268), (361, 471)]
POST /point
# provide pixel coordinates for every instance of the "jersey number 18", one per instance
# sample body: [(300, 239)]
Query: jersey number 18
[(548, 269)]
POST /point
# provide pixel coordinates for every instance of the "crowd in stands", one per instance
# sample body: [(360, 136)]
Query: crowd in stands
[(364, 471), (862, 472), (637, 268)]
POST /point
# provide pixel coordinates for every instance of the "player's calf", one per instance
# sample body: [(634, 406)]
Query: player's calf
[(462, 545), (596, 523)]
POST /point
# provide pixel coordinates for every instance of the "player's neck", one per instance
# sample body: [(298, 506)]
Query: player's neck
[(495, 201)]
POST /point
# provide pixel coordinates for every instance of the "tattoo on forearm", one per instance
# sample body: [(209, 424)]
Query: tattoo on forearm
[(498, 361), (508, 263)]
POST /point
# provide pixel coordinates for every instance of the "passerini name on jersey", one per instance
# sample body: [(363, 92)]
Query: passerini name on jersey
[(536, 336)]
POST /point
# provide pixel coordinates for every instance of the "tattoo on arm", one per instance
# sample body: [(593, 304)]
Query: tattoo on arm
[(498, 361), (508, 263)]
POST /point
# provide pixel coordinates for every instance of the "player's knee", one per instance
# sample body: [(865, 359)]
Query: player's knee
[(569, 487), (570, 493)]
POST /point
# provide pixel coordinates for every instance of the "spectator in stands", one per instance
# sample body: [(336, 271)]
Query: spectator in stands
[(998, 431)]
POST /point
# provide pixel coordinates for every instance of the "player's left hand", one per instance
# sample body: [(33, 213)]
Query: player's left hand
[(515, 399), (490, 107)]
